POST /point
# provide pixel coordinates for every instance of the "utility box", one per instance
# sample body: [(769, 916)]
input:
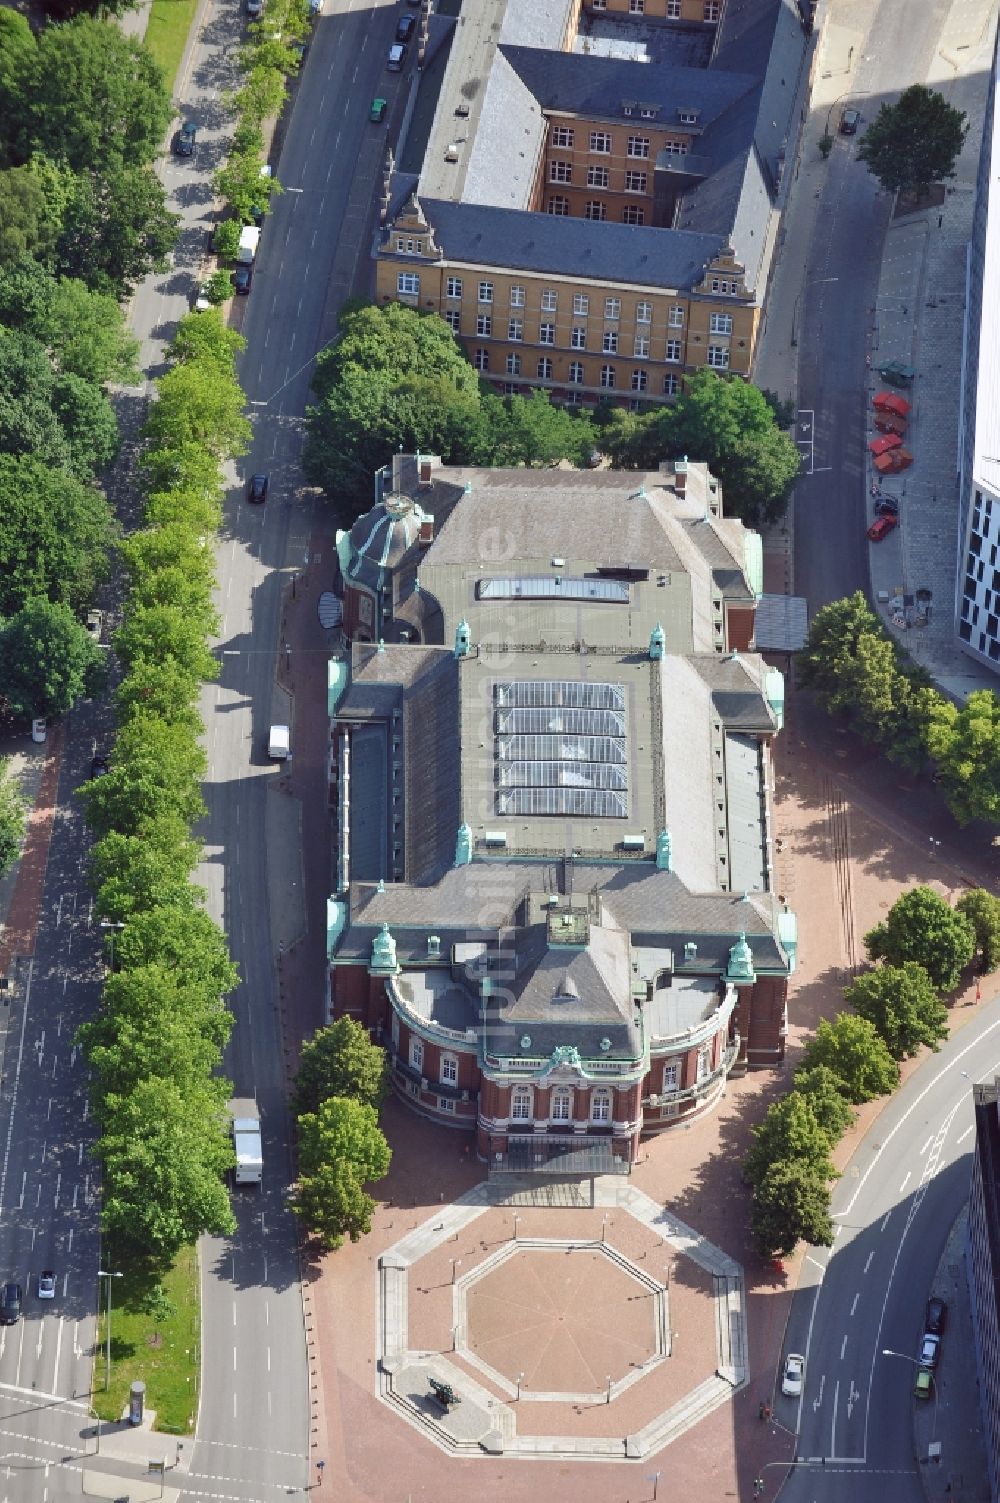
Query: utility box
[(246, 1140), (249, 240)]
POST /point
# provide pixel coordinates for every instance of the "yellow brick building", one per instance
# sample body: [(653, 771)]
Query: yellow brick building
[(587, 222)]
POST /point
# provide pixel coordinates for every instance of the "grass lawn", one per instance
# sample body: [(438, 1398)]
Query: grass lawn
[(167, 34), (163, 1353)]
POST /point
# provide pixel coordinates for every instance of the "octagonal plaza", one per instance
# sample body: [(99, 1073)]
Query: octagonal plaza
[(562, 1319), (601, 1331)]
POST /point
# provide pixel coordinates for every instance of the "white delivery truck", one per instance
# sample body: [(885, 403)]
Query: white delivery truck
[(249, 240), (246, 1140), (279, 743)]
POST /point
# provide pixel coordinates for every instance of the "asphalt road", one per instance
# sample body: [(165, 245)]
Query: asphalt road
[(894, 1209), (839, 286), (48, 1187)]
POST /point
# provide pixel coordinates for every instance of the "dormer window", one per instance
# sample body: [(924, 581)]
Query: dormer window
[(688, 117)]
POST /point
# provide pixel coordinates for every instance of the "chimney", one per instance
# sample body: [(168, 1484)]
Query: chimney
[(424, 482), (680, 476)]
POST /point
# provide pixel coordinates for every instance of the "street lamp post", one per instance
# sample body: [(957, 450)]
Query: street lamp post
[(887, 1351), (109, 1274), (111, 930)]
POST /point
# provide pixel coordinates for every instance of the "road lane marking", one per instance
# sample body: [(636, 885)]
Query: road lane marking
[(910, 1109), (967, 1133), (854, 1303), (906, 1181), (885, 1220), (930, 1140), (833, 1422), (843, 1348), (59, 1336)]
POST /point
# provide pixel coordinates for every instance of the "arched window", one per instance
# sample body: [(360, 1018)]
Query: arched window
[(561, 1110), (600, 1106), (520, 1105)]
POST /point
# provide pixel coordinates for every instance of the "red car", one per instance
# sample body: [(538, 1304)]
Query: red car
[(881, 528)]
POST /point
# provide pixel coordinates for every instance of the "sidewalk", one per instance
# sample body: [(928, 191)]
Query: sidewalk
[(36, 768), (919, 319)]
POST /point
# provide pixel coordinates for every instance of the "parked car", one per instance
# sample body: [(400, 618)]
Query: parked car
[(47, 1284), (929, 1348), (924, 1385), (200, 300), (184, 139), (376, 111), (936, 1317), (254, 8), (849, 122), (242, 279), (791, 1379), (95, 624), (11, 1300), (404, 28), (99, 766), (396, 58), (887, 506), (881, 528), (257, 487)]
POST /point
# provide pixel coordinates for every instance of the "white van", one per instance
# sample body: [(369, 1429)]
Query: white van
[(396, 58), (279, 743)]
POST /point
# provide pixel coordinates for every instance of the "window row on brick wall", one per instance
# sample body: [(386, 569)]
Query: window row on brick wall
[(561, 1105)]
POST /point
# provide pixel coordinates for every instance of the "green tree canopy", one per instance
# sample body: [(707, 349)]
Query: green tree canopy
[(532, 430), (150, 1024), (196, 404), (914, 142), (26, 292), (204, 337), (823, 1091), (150, 869), (965, 744), (921, 926), (47, 660), (791, 1204), (341, 1149), (730, 425), (166, 634), (187, 944), (114, 227), (163, 688), (164, 1152), (88, 421), (13, 813), (982, 910), (340, 1060), (55, 536), (852, 1049), (902, 1004), (25, 223), (93, 98), (87, 335), (396, 379), (157, 770), (789, 1130)]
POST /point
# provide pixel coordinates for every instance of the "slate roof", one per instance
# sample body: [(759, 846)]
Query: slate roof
[(654, 907), (596, 87), (480, 235)]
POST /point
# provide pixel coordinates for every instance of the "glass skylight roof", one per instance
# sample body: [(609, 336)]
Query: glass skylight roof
[(560, 748)]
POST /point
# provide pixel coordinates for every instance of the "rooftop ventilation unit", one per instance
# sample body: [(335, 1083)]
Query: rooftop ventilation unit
[(495, 837)]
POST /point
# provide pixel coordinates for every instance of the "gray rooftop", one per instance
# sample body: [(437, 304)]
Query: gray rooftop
[(626, 254), (510, 68)]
